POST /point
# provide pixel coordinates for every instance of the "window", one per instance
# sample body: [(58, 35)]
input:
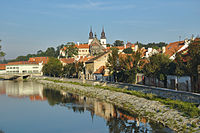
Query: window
[(35, 67)]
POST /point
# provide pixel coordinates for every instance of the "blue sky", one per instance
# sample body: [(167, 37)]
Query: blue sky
[(27, 26)]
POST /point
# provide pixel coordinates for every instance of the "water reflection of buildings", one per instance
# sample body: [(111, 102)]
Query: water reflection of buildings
[(114, 116), (22, 90)]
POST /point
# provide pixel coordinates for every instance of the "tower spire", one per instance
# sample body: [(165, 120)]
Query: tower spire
[(103, 35), (91, 33)]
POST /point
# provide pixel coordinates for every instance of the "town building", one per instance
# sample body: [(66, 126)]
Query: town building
[(94, 64), (92, 48), (173, 48), (32, 66)]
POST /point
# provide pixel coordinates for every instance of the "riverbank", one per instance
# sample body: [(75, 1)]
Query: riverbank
[(153, 110)]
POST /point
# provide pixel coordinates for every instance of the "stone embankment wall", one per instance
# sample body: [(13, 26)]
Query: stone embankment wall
[(160, 92), (153, 110)]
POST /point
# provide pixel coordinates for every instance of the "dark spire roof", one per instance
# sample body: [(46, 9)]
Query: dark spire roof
[(91, 34), (103, 35)]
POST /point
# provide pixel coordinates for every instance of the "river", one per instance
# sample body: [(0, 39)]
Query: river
[(28, 107)]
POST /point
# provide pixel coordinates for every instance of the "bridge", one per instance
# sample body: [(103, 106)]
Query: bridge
[(14, 76)]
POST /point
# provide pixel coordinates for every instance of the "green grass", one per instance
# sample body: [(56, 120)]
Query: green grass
[(189, 109)]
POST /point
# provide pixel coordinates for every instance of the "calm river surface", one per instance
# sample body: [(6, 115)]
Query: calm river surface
[(27, 107)]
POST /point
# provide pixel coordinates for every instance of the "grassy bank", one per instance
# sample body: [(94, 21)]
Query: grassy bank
[(189, 109)]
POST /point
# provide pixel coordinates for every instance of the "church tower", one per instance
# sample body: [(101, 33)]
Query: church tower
[(103, 38), (90, 36)]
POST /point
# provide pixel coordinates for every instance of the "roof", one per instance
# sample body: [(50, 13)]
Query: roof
[(82, 46), (173, 47), (20, 63), (43, 60), (95, 58), (67, 60), (100, 70), (84, 59), (2, 66)]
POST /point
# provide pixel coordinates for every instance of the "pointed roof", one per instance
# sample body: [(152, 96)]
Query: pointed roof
[(103, 35), (91, 33)]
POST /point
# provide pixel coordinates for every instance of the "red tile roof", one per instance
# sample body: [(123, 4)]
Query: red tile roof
[(2, 66), (43, 60), (82, 46), (67, 60), (172, 48), (100, 70), (84, 59), (20, 63)]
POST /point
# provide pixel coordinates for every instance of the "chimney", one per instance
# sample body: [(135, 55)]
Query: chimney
[(78, 43)]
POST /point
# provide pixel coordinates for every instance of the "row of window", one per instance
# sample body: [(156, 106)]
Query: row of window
[(18, 67), (83, 50), (25, 71), (12, 67)]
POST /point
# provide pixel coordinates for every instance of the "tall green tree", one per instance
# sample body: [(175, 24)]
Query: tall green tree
[(158, 67), (130, 66), (53, 67), (50, 52), (113, 63), (193, 61)]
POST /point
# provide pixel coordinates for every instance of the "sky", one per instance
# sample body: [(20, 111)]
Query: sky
[(27, 26)]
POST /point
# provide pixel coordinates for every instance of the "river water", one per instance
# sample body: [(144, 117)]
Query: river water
[(28, 107)]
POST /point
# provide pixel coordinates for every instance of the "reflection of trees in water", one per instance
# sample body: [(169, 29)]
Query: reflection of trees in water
[(1, 131), (70, 101), (118, 122)]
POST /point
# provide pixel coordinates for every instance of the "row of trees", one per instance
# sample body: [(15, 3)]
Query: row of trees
[(55, 68), (148, 45), (50, 52), (124, 69)]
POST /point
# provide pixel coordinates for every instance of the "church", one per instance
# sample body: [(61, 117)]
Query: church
[(95, 46)]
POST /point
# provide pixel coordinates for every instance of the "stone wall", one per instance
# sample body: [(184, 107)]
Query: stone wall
[(160, 92)]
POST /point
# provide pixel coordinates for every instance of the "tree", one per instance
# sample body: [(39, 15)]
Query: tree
[(2, 54), (71, 50), (128, 51), (193, 61), (53, 67), (157, 67), (113, 63), (58, 49), (118, 43), (130, 66), (50, 52)]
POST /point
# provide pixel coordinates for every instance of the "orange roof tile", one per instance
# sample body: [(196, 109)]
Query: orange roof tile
[(172, 48), (82, 46), (20, 63), (2, 66), (43, 60), (100, 70), (67, 60), (85, 58)]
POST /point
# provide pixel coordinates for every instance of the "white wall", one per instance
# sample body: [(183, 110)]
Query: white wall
[(183, 82), (24, 68)]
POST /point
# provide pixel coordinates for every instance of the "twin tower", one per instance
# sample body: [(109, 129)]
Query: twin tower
[(102, 40)]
